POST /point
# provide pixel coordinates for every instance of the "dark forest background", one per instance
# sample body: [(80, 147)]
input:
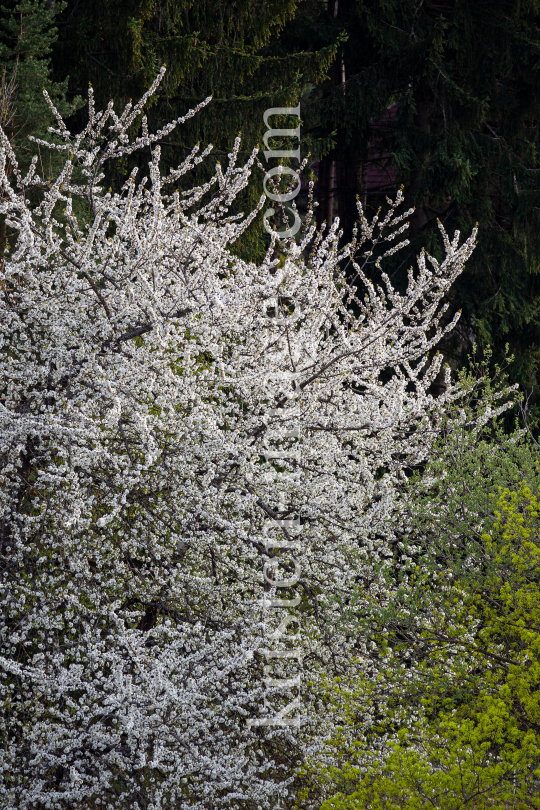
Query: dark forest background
[(439, 96)]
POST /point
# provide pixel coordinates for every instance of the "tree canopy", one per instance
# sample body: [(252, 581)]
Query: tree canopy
[(464, 79)]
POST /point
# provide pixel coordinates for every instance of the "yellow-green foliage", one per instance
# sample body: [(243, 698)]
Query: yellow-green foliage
[(477, 744)]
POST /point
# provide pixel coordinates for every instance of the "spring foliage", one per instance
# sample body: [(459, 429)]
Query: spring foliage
[(472, 638)]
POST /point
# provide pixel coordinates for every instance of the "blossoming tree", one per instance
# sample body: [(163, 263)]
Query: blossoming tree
[(174, 422)]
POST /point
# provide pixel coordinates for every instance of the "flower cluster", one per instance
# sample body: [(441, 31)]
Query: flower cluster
[(164, 407)]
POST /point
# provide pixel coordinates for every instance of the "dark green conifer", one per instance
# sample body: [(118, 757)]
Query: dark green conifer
[(465, 78), (27, 35), (230, 50)]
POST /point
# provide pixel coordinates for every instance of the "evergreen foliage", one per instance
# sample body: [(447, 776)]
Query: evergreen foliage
[(228, 50), (465, 77), (27, 35)]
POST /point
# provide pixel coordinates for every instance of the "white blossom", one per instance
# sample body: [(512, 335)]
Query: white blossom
[(163, 404)]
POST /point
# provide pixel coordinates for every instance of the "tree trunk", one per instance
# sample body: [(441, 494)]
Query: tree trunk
[(423, 125), (326, 190), (327, 166)]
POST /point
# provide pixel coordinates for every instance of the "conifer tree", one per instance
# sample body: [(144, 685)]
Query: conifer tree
[(27, 35), (228, 50), (464, 142)]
